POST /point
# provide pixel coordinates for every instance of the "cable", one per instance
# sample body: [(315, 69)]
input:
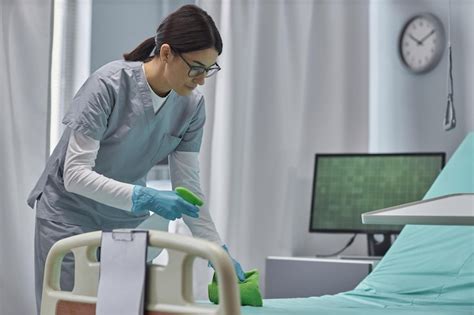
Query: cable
[(349, 243), (450, 115)]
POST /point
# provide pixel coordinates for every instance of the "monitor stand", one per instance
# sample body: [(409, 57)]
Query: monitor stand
[(378, 244)]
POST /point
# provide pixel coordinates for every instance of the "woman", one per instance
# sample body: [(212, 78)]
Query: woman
[(129, 115)]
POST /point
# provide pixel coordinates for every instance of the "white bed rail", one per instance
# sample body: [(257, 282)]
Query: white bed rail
[(169, 288)]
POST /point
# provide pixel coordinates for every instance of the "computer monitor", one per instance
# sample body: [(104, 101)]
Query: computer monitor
[(347, 185)]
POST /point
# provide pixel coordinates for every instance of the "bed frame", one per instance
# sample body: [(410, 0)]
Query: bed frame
[(169, 288)]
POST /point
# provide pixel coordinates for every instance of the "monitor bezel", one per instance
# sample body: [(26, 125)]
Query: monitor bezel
[(313, 190)]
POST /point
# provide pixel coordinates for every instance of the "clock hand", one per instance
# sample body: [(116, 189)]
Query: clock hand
[(416, 40), (426, 37)]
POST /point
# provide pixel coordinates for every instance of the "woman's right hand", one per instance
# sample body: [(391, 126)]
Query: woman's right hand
[(167, 204)]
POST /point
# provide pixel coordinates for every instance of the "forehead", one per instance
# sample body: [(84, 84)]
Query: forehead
[(205, 57)]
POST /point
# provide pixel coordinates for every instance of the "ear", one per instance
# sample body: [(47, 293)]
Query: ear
[(165, 53)]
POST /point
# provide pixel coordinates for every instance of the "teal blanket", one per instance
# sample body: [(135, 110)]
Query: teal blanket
[(428, 270)]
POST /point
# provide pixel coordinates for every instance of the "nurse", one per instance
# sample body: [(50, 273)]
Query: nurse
[(129, 115)]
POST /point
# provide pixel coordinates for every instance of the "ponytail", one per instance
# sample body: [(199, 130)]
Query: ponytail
[(187, 29), (141, 52)]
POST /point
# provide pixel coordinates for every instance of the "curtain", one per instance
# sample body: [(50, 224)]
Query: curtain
[(70, 59), (25, 35), (294, 82)]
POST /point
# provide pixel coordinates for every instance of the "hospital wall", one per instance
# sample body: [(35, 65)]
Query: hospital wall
[(407, 110)]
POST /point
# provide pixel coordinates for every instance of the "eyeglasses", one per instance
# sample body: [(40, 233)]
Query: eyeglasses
[(195, 71)]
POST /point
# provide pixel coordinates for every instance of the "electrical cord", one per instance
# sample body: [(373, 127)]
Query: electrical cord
[(450, 115), (349, 243)]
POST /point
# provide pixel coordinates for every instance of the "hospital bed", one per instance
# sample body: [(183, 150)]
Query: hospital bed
[(428, 270)]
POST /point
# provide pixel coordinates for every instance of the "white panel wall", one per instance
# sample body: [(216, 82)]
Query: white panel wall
[(407, 110)]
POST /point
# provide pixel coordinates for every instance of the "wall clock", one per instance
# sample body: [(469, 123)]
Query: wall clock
[(421, 43)]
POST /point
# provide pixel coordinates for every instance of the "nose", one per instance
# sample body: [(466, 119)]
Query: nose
[(200, 79)]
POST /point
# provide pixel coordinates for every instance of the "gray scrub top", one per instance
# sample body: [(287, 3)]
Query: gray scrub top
[(115, 107)]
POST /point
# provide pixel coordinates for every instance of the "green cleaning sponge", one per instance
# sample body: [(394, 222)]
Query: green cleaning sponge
[(189, 196), (249, 290)]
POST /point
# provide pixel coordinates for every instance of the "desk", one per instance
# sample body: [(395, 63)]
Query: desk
[(454, 209)]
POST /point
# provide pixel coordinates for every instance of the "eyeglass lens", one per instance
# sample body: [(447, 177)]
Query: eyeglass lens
[(194, 72)]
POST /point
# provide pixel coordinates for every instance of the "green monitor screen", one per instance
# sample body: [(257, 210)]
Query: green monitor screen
[(347, 185)]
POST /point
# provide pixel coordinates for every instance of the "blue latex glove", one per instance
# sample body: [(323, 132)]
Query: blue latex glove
[(167, 204), (237, 267)]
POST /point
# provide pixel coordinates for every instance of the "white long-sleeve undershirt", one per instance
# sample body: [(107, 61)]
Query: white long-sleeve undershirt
[(79, 178)]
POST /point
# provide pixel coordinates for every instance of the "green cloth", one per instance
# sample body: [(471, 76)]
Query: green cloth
[(249, 290)]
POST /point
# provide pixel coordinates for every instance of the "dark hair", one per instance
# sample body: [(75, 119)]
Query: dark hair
[(187, 29)]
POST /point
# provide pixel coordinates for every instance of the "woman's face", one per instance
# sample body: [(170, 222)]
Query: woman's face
[(178, 66)]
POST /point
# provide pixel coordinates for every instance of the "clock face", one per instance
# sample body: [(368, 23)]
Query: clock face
[(422, 43)]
